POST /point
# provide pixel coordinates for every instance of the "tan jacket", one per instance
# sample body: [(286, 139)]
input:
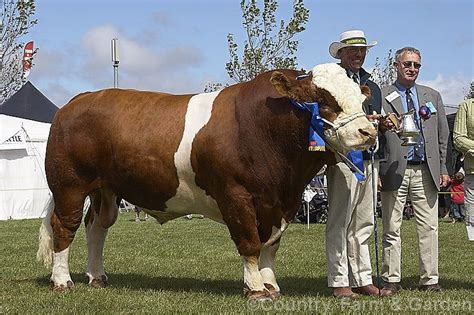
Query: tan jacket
[(463, 134)]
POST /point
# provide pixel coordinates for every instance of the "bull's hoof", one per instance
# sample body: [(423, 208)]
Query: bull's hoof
[(274, 294), (61, 287), (263, 295), (99, 283)]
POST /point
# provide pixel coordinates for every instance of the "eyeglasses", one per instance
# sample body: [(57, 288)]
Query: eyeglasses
[(408, 64)]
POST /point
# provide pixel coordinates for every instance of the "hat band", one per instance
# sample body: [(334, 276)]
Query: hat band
[(351, 41)]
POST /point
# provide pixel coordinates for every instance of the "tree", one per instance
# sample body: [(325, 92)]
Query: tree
[(384, 74), (15, 22), (470, 93), (269, 45)]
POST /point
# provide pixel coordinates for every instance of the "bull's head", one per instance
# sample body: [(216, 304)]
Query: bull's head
[(340, 101)]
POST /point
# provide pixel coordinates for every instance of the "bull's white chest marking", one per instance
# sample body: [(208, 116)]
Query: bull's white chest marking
[(189, 197)]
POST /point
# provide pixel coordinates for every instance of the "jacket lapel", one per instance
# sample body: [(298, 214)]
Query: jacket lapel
[(422, 97)]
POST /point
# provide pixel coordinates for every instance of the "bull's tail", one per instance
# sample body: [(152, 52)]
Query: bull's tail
[(276, 236), (45, 248)]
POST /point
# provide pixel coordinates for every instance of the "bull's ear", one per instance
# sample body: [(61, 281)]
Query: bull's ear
[(281, 83), (365, 90)]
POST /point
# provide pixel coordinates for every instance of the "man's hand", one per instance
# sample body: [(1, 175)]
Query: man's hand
[(444, 180), (389, 122), (374, 117)]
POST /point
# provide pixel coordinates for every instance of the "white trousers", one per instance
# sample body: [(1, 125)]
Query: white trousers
[(349, 227), (416, 183)]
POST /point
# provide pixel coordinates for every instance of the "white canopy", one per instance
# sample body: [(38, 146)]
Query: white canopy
[(23, 187)]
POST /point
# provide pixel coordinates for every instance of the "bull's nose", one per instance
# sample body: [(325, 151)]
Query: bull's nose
[(371, 133)]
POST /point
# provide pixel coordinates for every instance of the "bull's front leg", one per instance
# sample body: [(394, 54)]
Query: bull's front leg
[(240, 217), (267, 268), (254, 288)]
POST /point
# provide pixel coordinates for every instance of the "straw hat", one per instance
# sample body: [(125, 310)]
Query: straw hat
[(350, 38)]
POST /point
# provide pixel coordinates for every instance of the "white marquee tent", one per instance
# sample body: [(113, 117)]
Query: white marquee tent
[(23, 188)]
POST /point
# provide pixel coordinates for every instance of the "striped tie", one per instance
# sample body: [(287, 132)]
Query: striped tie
[(419, 148)]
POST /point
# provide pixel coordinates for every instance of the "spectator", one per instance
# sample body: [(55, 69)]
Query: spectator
[(457, 196), (137, 214), (464, 142)]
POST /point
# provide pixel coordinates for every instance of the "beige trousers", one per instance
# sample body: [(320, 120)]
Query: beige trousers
[(417, 184), (349, 227)]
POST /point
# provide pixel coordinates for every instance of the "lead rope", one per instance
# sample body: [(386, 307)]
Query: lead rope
[(372, 152)]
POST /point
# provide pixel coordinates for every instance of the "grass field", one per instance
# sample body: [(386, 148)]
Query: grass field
[(192, 266)]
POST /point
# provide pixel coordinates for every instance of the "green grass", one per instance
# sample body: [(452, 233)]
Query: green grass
[(192, 266)]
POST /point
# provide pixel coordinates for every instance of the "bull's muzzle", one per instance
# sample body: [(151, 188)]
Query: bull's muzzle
[(370, 134)]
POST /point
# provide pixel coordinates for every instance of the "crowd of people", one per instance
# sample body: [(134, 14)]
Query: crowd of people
[(416, 172)]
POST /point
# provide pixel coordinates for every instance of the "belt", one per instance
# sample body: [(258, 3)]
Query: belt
[(410, 162)]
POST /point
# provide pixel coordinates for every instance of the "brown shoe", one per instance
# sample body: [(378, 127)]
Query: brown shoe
[(370, 289), (390, 288), (431, 288), (344, 292)]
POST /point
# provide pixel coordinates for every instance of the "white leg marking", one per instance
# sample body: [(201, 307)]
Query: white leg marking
[(60, 275), (252, 276), (267, 263), (95, 235), (197, 116)]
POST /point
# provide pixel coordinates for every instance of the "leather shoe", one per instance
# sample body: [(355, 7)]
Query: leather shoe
[(344, 292), (431, 288), (370, 289), (390, 288)]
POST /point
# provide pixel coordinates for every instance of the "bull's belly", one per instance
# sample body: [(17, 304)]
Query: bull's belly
[(193, 200), (189, 197)]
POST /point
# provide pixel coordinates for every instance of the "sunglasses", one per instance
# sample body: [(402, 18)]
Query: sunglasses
[(408, 64)]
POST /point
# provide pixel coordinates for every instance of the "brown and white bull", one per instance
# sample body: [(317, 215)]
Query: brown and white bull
[(238, 156)]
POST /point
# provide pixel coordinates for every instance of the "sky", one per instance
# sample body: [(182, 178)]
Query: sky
[(178, 46)]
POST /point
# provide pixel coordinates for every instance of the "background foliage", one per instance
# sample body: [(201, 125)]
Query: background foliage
[(269, 43), (15, 21)]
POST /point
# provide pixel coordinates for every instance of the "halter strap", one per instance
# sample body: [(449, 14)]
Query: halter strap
[(317, 136)]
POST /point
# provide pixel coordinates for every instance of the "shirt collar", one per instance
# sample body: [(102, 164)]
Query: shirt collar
[(402, 89), (351, 74)]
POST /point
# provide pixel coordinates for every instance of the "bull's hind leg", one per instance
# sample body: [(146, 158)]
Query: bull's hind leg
[(102, 214), (65, 221)]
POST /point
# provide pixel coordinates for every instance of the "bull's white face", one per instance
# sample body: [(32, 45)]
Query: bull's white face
[(352, 130)]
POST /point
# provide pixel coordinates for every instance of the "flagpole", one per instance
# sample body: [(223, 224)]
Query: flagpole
[(115, 60)]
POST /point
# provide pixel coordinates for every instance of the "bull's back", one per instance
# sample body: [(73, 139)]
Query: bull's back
[(121, 139)]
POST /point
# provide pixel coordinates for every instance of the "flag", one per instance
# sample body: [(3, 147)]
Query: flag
[(27, 58)]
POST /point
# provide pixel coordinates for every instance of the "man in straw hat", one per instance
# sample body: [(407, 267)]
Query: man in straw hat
[(350, 218)]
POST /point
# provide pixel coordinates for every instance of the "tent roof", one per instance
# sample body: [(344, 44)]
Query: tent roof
[(28, 102)]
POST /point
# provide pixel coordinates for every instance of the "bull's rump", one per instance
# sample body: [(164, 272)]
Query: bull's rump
[(124, 140)]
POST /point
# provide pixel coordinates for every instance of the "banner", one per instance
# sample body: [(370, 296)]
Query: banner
[(27, 58), (15, 142)]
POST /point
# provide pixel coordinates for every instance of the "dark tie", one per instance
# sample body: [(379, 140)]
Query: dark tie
[(355, 78), (419, 148)]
